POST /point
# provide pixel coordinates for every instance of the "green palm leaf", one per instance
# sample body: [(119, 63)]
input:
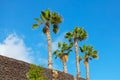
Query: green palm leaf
[(56, 18), (45, 15), (71, 45), (59, 45), (55, 28), (95, 56), (44, 30), (69, 36), (35, 26), (36, 19)]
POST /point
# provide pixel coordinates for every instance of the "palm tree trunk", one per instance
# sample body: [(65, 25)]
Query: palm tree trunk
[(64, 67), (87, 70), (49, 46), (77, 58)]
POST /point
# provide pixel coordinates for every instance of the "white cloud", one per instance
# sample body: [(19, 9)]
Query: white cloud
[(14, 47)]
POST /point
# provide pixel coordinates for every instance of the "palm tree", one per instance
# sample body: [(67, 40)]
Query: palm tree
[(48, 18), (89, 54), (79, 34), (62, 52)]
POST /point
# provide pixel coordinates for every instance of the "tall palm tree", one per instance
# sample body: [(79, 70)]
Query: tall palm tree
[(49, 19), (62, 52), (79, 34), (89, 54)]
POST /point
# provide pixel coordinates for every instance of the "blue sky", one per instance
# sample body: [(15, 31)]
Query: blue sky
[(100, 18)]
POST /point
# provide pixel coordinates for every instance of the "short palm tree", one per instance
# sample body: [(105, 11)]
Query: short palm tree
[(79, 34), (49, 19), (62, 52), (89, 54)]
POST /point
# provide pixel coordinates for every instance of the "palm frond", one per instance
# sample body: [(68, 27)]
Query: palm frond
[(55, 52), (71, 45), (36, 19), (42, 17), (44, 30), (69, 36), (35, 26), (95, 56), (55, 18), (55, 28), (45, 15), (81, 49), (59, 45)]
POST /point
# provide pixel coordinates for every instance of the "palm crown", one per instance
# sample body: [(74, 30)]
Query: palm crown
[(47, 17), (63, 49), (78, 33), (89, 52)]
